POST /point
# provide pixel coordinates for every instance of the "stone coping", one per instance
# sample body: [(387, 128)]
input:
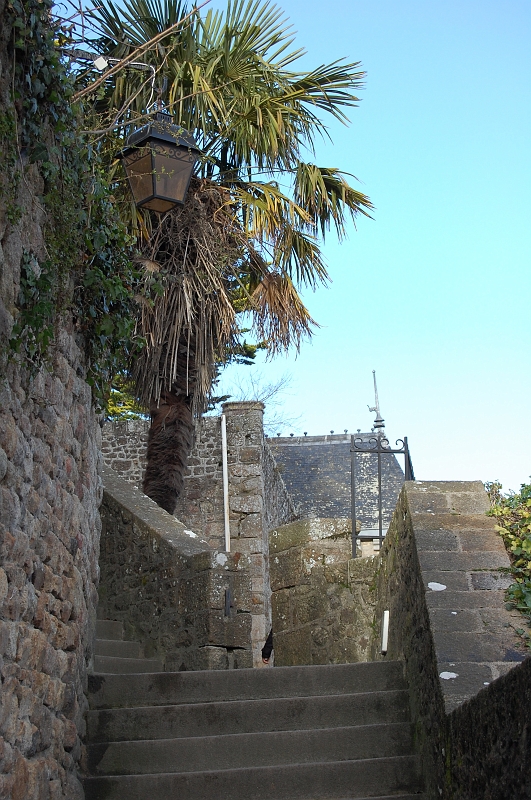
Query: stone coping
[(462, 562), (148, 515), (336, 438)]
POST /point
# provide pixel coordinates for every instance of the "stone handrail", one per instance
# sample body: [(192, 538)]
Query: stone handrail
[(441, 577), (169, 587)]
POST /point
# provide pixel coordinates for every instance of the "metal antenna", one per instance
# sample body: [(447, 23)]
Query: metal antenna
[(378, 422)]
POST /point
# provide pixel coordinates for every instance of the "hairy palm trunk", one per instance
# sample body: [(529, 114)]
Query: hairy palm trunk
[(169, 444), (171, 433), (186, 328)]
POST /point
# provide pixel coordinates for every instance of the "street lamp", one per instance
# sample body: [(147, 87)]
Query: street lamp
[(159, 160)]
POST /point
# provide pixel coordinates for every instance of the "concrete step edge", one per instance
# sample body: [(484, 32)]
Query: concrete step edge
[(395, 776), (225, 704), (238, 750), (123, 667), (114, 648), (112, 628), (246, 716), (224, 686)]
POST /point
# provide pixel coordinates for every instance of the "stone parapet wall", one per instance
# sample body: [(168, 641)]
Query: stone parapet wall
[(258, 499), (187, 604), (488, 741), (441, 579), (322, 599), (279, 508)]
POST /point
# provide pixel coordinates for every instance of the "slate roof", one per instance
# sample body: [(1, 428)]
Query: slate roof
[(316, 471)]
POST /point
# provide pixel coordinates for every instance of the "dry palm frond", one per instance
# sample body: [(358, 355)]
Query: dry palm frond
[(280, 316), (196, 248)]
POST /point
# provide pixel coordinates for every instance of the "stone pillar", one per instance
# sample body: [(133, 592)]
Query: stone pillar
[(248, 526)]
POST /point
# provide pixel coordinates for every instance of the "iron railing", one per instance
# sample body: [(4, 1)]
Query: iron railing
[(377, 445)]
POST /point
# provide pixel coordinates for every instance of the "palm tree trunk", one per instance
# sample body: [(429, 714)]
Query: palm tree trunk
[(169, 444)]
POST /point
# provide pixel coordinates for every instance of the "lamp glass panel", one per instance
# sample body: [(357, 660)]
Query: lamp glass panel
[(156, 204), (173, 167), (139, 170)]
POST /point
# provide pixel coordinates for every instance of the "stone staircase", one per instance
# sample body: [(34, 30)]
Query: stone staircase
[(114, 655), (288, 733)]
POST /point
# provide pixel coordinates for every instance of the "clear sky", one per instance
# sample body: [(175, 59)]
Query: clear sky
[(433, 293)]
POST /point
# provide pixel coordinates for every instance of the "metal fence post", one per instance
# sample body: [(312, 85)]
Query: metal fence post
[(353, 496)]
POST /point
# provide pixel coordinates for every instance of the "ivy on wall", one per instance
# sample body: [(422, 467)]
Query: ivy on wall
[(513, 515), (88, 274)]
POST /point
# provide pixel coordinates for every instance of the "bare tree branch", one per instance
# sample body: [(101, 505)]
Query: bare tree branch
[(135, 54)]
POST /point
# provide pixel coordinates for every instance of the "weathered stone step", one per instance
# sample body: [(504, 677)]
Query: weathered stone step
[(167, 688), (250, 749), (375, 777), (246, 716), (125, 666), (116, 648), (109, 629)]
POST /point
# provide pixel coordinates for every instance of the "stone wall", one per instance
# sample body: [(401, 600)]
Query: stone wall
[(258, 498), (488, 741), (440, 579), (323, 600), (49, 531), (187, 604), (124, 446), (49, 526)]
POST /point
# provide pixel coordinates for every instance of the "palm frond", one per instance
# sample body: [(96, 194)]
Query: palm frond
[(239, 243), (280, 317), (326, 195)]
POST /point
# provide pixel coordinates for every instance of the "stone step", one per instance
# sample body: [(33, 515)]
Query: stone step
[(250, 749), (116, 648), (215, 685), (109, 629), (110, 665), (246, 716), (318, 781)]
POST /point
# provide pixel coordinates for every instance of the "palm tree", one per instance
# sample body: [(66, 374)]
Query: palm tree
[(257, 212)]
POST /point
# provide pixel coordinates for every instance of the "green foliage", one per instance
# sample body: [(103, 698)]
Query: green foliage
[(34, 328), (88, 272), (513, 515), (9, 176), (122, 403), (233, 78)]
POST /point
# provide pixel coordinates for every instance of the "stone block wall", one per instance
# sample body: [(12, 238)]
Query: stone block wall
[(49, 540), (49, 524), (322, 599), (124, 446), (258, 499), (201, 502), (440, 578), (488, 740), (186, 603)]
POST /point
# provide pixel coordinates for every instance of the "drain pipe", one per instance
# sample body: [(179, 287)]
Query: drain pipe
[(385, 632), (225, 471)]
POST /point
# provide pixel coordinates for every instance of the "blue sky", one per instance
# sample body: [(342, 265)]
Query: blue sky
[(433, 292)]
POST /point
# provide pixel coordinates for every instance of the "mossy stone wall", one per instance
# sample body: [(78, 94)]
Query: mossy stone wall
[(322, 599)]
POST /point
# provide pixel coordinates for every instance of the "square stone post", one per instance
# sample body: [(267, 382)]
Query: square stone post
[(248, 526)]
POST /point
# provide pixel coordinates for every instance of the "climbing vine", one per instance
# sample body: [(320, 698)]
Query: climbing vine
[(88, 272), (513, 515)]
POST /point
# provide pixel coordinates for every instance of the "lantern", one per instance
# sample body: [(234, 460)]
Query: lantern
[(159, 160)]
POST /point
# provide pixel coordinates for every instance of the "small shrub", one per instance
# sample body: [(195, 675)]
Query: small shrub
[(513, 515)]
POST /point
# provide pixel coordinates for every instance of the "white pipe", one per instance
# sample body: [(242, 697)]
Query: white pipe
[(225, 470), (385, 632)]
